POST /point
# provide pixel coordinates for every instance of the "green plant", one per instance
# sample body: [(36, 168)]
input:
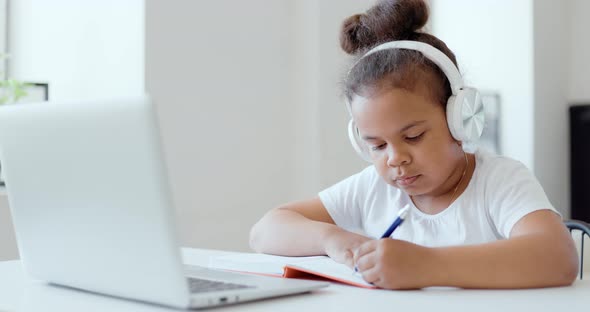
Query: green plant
[(11, 90)]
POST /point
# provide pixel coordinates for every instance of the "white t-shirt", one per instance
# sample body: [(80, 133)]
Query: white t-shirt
[(501, 191)]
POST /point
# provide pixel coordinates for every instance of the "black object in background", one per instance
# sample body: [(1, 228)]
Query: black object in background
[(580, 161)]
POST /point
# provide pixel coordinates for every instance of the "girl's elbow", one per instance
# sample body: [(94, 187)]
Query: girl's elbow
[(258, 234), (254, 238), (566, 277), (568, 270)]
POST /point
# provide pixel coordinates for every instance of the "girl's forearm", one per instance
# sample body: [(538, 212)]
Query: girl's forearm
[(288, 233), (529, 261)]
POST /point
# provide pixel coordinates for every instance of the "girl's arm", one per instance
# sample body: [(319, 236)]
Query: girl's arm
[(539, 253), (303, 228)]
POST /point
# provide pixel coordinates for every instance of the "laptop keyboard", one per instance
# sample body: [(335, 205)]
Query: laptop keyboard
[(197, 285)]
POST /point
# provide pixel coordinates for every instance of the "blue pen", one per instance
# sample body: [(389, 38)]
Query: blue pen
[(401, 216)]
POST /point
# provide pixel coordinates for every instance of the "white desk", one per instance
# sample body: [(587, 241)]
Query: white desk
[(18, 293)]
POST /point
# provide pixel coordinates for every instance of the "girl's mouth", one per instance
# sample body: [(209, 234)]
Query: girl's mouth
[(406, 181)]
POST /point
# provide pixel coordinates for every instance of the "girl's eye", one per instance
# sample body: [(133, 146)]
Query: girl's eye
[(415, 138), (378, 147)]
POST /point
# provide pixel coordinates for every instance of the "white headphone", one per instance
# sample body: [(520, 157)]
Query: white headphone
[(465, 113)]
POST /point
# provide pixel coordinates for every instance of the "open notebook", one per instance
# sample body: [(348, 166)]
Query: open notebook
[(289, 267)]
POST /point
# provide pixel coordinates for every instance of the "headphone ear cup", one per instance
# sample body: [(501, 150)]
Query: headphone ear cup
[(465, 115), (357, 143), (454, 118)]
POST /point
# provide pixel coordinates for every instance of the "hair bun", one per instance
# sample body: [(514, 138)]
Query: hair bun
[(352, 35), (386, 21)]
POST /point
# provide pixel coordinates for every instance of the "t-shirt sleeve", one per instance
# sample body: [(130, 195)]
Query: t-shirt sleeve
[(513, 192), (343, 200)]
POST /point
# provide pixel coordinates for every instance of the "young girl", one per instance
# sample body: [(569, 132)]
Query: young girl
[(475, 220)]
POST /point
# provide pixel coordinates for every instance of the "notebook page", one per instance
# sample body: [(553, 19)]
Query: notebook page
[(331, 269), (256, 263)]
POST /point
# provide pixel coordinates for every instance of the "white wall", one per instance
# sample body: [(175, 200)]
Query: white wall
[(494, 47), (319, 65), (250, 107), (579, 37), (83, 49), (3, 33), (305, 89), (218, 71), (338, 159), (552, 50), (318, 96)]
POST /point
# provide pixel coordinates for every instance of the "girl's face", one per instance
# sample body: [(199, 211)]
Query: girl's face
[(410, 143)]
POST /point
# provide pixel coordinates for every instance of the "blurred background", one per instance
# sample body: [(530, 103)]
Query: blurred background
[(248, 95)]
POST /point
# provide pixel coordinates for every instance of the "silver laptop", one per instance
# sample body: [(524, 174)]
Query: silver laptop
[(92, 208)]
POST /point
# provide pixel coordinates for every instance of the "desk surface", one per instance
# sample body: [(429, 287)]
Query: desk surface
[(18, 293)]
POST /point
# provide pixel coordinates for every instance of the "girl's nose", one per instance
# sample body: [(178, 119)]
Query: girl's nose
[(397, 157)]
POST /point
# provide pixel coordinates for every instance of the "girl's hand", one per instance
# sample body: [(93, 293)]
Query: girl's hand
[(341, 245), (394, 264)]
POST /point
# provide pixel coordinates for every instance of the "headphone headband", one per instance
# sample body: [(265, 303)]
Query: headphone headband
[(431, 53)]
